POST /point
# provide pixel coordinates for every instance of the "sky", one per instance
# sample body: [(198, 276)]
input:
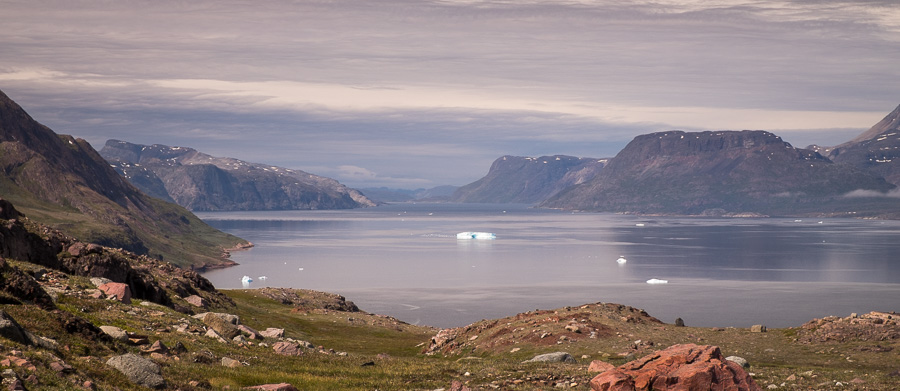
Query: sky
[(420, 93)]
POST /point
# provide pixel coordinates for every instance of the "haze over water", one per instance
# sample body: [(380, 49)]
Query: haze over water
[(404, 260)]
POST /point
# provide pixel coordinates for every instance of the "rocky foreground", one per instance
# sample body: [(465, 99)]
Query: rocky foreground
[(77, 316)]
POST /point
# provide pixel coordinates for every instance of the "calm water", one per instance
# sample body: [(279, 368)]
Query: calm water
[(404, 260)]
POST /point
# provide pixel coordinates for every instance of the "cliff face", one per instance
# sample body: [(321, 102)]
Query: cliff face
[(715, 172), (516, 179), (63, 182), (876, 150), (202, 182)]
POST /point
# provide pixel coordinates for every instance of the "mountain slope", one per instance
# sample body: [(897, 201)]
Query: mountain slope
[(718, 172), (876, 150), (61, 181), (202, 182), (516, 179)]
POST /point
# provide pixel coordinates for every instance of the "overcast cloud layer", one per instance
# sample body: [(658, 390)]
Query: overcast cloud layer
[(417, 93)]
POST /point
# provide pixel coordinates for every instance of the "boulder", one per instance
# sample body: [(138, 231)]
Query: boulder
[(221, 326), (196, 301), (115, 333), (287, 349), (757, 328), (157, 347), (680, 367), (11, 330), (139, 370), (739, 361), (117, 291), (599, 366), (231, 363), (251, 333), (272, 332), (273, 387), (230, 318), (553, 357)]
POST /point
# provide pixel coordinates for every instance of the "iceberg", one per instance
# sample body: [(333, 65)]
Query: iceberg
[(476, 235), (246, 280), (657, 281), (621, 260)]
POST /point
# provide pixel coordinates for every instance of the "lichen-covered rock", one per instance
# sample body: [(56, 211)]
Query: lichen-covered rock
[(139, 370), (553, 357), (680, 367)]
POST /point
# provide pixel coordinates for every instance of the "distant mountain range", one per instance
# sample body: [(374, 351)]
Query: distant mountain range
[(724, 173), (63, 182), (434, 194), (201, 182), (516, 179)]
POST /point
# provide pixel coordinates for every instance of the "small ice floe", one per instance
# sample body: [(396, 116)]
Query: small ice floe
[(301, 269), (476, 235), (621, 260), (263, 278), (639, 225), (657, 281)]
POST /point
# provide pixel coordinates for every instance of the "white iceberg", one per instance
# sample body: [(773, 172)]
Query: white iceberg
[(476, 235), (657, 281), (621, 260), (246, 280), (263, 278)]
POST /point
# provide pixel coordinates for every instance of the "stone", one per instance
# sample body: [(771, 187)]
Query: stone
[(139, 370), (117, 291), (97, 281), (739, 361), (115, 333), (679, 322), (221, 326), (456, 385), (600, 366), (287, 349), (231, 363), (196, 301), (157, 347), (273, 387), (230, 318), (679, 367), (272, 332), (213, 334), (10, 329), (251, 333), (553, 357), (757, 328)]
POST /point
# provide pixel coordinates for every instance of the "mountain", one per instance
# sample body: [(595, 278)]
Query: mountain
[(201, 182), (384, 194), (516, 179), (876, 150), (61, 181), (724, 172)]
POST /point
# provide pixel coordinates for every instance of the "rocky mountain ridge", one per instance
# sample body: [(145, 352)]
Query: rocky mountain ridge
[(518, 179), (719, 173), (202, 182), (63, 182), (876, 150)]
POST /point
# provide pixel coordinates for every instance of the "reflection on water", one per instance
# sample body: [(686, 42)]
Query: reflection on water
[(404, 260)]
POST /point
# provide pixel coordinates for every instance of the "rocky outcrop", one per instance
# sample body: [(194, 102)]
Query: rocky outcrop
[(719, 173), (680, 367), (517, 179), (201, 182), (875, 326), (59, 177)]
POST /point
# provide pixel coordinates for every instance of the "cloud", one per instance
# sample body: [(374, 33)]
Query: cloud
[(861, 193)]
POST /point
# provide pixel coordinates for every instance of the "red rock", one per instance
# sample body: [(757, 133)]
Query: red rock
[(118, 291), (273, 387), (287, 349), (456, 385), (598, 366), (680, 367)]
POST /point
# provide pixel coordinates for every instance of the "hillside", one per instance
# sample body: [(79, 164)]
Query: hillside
[(725, 173), (876, 150), (201, 182), (77, 316), (61, 181), (516, 179)]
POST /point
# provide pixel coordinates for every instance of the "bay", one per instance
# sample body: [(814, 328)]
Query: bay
[(404, 260)]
